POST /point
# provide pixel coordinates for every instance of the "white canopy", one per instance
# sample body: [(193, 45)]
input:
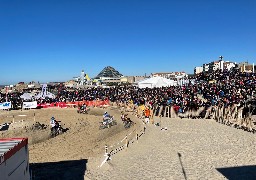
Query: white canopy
[(26, 96), (156, 82), (44, 95)]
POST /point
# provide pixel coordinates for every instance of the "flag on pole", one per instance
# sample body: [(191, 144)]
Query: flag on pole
[(44, 89)]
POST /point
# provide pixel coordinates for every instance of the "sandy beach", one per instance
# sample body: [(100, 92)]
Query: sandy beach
[(188, 149), (81, 142)]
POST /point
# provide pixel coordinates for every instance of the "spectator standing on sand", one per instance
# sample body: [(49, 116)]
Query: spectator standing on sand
[(147, 114)]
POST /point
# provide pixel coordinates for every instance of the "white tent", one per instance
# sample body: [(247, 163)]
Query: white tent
[(43, 96), (156, 82), (26, 96)]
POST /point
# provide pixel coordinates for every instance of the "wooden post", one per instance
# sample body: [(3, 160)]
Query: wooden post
[(126, 141), (152, 120), (106, 149), (151, 116), (167, 111), (171, 112), (13, 119), (169, 115), (160, 121), (144, 130), (34, 116), (160, 110), (137, 136), (156, 110)]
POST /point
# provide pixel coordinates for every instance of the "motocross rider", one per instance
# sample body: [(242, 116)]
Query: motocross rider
[(54, 123), (106, 118)]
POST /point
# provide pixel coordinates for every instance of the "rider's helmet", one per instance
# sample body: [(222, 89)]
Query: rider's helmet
[(106, 112), (52, 121)]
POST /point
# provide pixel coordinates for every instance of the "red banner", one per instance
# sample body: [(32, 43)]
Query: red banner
[(95, 103)]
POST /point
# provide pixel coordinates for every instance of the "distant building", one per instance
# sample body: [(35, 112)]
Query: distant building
[(246, 67), (135, 79), (206, 67), (171, 75), (218, 65), (215, 65), (221, 65), (229, 65), (70, 84), (109, 75), (34, 85), (198, 70)]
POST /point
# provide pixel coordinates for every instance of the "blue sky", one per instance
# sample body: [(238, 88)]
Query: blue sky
[(53, 40)]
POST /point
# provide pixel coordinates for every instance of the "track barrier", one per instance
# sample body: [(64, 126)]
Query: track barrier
[(123, 144), (17, 121)]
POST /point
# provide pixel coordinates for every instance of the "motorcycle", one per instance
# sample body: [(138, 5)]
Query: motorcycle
[(56, 130), (81, 110), (108, 123), (128, 123)]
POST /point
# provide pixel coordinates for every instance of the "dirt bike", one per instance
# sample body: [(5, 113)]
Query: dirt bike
[(82, 111), (38, 126), (128, 123), (56, 130), (108, 123)]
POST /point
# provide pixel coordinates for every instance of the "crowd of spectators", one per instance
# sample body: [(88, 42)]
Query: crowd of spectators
[(220, 87), (12, 97)]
